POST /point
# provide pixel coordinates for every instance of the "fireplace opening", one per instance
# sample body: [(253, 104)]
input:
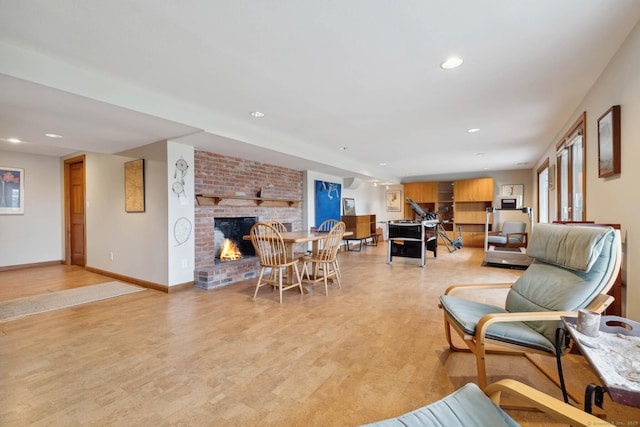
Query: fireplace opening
[(229, 251), (228, 242)]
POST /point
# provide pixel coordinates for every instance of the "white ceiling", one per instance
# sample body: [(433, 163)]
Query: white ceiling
[(364, 74)]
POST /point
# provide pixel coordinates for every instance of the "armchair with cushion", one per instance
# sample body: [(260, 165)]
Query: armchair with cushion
[(574, 267), (469, 406), (512, 235)]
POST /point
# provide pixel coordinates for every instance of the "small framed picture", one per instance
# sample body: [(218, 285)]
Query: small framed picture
[(11, 190), (394, 201), (609, 143), (512, 190), (348, 206)]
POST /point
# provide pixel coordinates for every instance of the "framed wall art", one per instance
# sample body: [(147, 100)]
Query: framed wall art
[(394, 201), (134, 186), (11, 190), (512, 190), (327, 198), (348, 206), (609, 143)]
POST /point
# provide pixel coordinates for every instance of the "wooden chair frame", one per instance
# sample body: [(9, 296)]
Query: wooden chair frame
[(327, 225), (270, 248), (277, 225), (466, 402), (326, 260), (534, 398), (508, 236)]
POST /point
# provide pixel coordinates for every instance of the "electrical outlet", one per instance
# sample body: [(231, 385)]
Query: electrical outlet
[(111, 256)]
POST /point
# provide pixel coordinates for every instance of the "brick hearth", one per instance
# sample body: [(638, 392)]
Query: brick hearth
[(226, 273), (222, 175)]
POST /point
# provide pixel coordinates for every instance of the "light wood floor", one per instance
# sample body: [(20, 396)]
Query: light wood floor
[(373, 350)]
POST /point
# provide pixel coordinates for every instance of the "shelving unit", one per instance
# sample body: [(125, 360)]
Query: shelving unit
[(461, 203), (423, 193), (215, 200), (472, 197), (362, 226), (445, 205)]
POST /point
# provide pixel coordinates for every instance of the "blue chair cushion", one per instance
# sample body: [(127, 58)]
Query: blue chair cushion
[(467, 406), (568, 246), (547, 286), (502, 240), (466, 314)]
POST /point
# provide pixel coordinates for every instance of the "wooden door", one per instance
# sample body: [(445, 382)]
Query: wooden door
[(75, 212)]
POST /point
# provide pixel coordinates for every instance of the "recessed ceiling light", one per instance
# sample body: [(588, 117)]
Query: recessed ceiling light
[(480, 154), (452, 62), (256, 114), (473, 130), (52, 135), (14, 140), (382, 164), (522, 163)]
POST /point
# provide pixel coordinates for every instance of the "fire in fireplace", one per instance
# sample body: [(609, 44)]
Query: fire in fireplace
[(228, 238), (229, 251)]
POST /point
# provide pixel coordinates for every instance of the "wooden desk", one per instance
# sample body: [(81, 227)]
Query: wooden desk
[(614, 355), (293, 237)]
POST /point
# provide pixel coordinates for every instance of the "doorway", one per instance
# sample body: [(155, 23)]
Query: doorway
[(74, 201)]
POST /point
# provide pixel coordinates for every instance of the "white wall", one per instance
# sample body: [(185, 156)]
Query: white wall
[(370, 199), (34, 236), (614, 199), (181, 214), (138, 240)]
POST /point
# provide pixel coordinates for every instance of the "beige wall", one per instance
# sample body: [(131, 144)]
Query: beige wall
[(138, 240), (614, 199), (34, 236)]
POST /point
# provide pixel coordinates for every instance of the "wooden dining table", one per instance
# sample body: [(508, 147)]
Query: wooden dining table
[(292, 238)]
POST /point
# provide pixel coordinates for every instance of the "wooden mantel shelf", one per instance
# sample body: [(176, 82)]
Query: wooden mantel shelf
[(215, 200)]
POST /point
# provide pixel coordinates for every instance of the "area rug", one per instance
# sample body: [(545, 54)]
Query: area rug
[(28, 306)]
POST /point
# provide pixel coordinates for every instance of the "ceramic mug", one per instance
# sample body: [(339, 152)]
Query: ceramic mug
[(588, 322)]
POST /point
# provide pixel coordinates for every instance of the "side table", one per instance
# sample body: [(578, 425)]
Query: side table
[(614, 355)]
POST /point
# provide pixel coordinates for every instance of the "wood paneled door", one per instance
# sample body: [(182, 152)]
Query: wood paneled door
[(75, 230)]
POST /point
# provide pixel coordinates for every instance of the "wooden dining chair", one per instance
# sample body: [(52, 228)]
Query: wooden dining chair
[(272, 252), (324, 264), (327, 225), (277, 225)]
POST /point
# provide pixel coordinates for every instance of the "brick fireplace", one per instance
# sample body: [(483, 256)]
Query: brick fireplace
[(223, 175)]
